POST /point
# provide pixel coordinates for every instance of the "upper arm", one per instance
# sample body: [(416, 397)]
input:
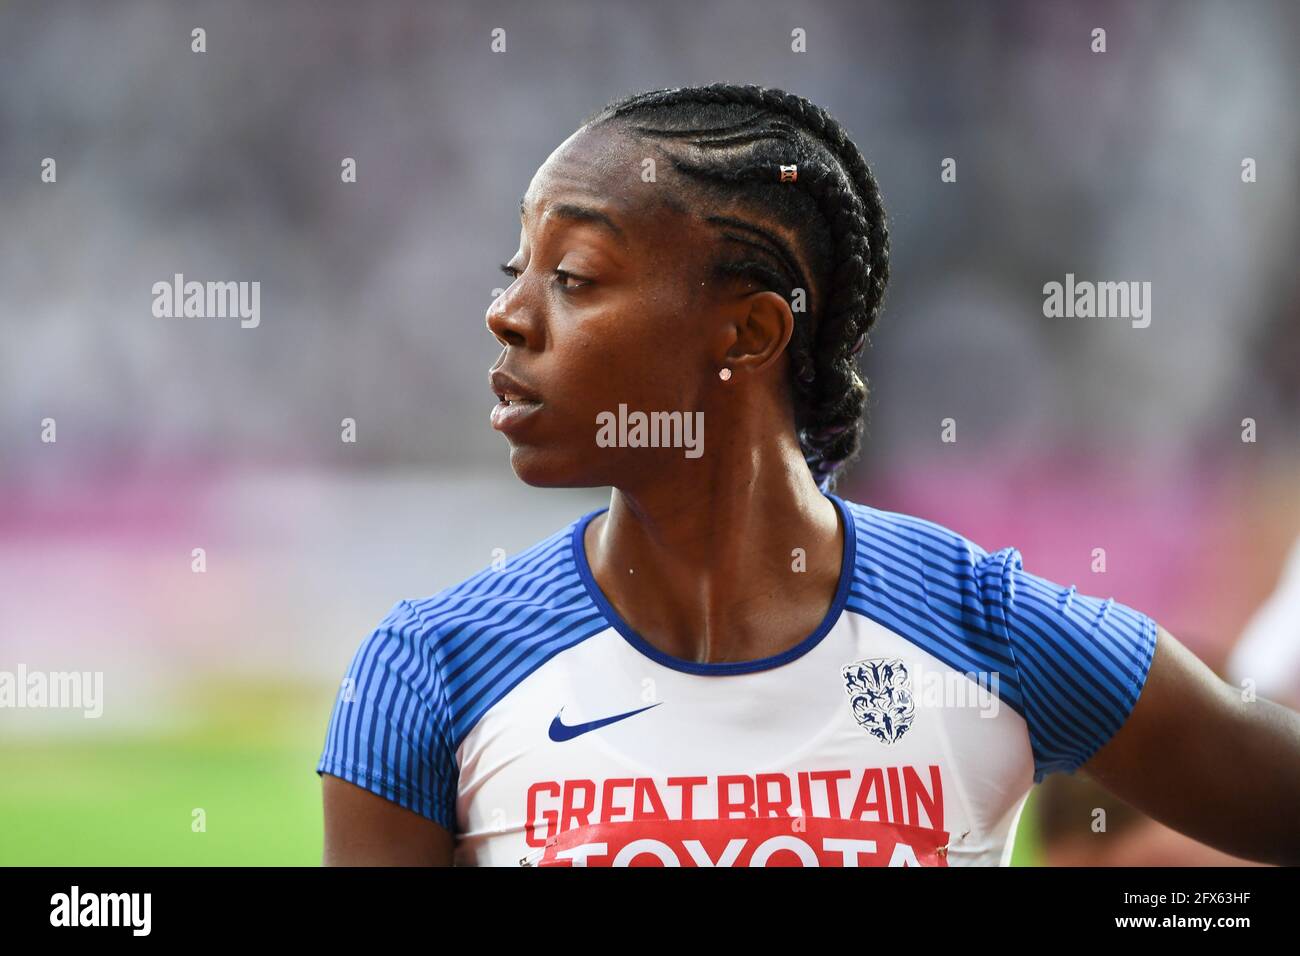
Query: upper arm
[(364, 829), (388, 767), (1079, 662), (1208, 761)]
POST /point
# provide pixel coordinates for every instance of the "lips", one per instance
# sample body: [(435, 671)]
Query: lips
[(516, 402), (510, 389)]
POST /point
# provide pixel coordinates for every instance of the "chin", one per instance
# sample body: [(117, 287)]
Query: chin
[(548, 468)]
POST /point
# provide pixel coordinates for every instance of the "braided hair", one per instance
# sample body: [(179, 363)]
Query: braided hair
[(732, 142)]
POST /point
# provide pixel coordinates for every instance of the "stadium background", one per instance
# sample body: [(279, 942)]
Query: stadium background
[(175, 434)]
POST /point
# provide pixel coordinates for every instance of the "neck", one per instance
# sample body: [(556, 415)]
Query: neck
[(734, 557)]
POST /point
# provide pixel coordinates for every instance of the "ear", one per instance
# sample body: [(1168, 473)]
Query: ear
[(762, 330)]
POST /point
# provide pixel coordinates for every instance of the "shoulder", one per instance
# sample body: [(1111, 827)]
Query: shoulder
[(908, 552), (932, 585), (1072, 664), (515, 596), (480, 637), (432, 666)]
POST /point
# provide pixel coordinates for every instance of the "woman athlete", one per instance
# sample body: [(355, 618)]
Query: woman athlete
[(731, 665)]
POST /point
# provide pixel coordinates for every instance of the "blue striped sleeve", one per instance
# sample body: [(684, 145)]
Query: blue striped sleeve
[(390, 729), (1081, 661)]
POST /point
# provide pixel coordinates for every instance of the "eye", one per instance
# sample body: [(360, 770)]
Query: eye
[(567, 280), (563, 278)]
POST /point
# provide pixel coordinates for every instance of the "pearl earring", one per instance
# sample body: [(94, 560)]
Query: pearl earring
[(725, 374)]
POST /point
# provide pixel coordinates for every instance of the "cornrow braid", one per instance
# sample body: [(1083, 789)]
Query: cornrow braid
[(733, 142)]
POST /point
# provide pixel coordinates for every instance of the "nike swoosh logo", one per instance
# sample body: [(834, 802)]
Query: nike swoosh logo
[(560, 731)]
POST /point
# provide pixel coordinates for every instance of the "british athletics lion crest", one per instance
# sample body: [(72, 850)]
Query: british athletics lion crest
[(880, 693)]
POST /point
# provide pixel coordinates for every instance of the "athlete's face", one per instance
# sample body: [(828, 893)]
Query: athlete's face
[(608, 306)]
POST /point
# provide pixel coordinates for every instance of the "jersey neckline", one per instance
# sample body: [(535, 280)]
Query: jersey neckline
[(719, 668)]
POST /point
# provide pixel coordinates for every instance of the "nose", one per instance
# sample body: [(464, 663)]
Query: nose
[(511, 320)]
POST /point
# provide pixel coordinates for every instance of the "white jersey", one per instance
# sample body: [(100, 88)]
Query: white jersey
[(518, 710)]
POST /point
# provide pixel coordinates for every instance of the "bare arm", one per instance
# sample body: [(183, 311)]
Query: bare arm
[(1197, 757), (364, 829)]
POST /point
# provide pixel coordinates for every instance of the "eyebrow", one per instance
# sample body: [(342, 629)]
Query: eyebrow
[(578, 213)]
